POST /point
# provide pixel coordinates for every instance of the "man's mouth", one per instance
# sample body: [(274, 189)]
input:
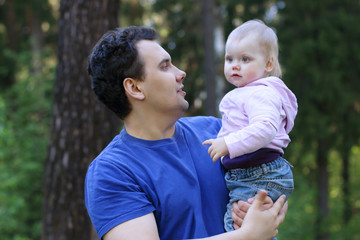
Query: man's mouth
[(180, 90)]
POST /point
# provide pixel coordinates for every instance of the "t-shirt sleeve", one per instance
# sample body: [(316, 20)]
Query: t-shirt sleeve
[(112, 196)]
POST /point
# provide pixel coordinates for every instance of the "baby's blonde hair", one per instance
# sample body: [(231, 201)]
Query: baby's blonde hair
[(266, 37)]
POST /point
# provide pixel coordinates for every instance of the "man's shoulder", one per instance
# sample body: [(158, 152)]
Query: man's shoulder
[(111, 155), (200, 120), (200, 125)]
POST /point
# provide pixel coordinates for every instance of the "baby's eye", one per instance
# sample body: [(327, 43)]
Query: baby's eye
[(229, 59), (245, 59)]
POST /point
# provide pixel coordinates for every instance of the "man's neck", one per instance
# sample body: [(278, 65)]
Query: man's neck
[(150, 128)]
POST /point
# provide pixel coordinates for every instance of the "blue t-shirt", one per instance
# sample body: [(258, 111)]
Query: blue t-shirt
[(175, 178)]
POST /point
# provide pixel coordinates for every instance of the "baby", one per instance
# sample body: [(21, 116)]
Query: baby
[(257, 117)]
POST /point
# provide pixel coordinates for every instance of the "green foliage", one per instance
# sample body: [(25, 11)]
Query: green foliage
[(18, 20), (319, 53), (299, 222), (301, 216), (24, 126)]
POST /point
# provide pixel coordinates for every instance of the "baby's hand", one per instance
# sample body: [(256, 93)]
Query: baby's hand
[(217, 149)]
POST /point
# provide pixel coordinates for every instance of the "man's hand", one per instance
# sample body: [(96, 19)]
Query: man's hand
[(240, 208), (264, 222), (217, 149)]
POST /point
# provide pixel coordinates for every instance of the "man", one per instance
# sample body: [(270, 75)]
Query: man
[(155, 180)]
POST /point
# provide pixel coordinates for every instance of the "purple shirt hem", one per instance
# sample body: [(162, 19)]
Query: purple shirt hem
[(263, 155)]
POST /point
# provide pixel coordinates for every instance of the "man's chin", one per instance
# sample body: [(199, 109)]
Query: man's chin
[(186, 106)]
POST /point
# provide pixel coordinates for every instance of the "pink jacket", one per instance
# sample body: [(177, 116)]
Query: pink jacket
[(258, 115)]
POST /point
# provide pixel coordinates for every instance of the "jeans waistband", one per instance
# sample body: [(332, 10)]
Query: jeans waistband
[(262, 169)]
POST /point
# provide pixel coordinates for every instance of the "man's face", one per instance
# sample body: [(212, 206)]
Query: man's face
[(162, 82)]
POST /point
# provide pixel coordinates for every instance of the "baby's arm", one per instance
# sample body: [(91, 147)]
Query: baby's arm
[(251, 138), (217, 149), (263, 111)]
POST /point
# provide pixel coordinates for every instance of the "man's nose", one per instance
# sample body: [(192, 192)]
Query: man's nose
[(180, 76)]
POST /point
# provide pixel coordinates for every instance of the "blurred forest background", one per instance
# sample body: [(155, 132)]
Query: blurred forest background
[(51, 125)]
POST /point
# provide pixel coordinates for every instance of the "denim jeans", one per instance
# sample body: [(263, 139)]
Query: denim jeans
[(275, 177)]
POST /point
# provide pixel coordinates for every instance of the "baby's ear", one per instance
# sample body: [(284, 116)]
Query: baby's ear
[(133, 88), (269, 65)]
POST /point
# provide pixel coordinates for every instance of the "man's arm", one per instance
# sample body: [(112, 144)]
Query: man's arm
[(143, 227), (258, 224)]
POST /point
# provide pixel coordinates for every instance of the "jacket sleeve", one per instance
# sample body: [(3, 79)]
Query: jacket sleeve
[(263, 109)]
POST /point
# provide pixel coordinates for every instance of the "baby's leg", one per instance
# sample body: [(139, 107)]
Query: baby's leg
[(275, 177)]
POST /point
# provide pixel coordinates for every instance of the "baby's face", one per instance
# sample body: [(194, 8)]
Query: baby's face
[(245, 61)]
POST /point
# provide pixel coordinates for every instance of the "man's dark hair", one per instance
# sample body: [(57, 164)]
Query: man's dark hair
[(113, 59)]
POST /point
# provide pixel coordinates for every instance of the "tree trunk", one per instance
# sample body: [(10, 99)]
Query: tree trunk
[(347, 213), (345, 149), (12, 31), (81, 126), (349, 138), (209, 55), (321, 229), (12, 28), (37, 38)]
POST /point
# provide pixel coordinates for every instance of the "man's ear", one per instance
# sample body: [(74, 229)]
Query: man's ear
[(269, 65), (133, 88)]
